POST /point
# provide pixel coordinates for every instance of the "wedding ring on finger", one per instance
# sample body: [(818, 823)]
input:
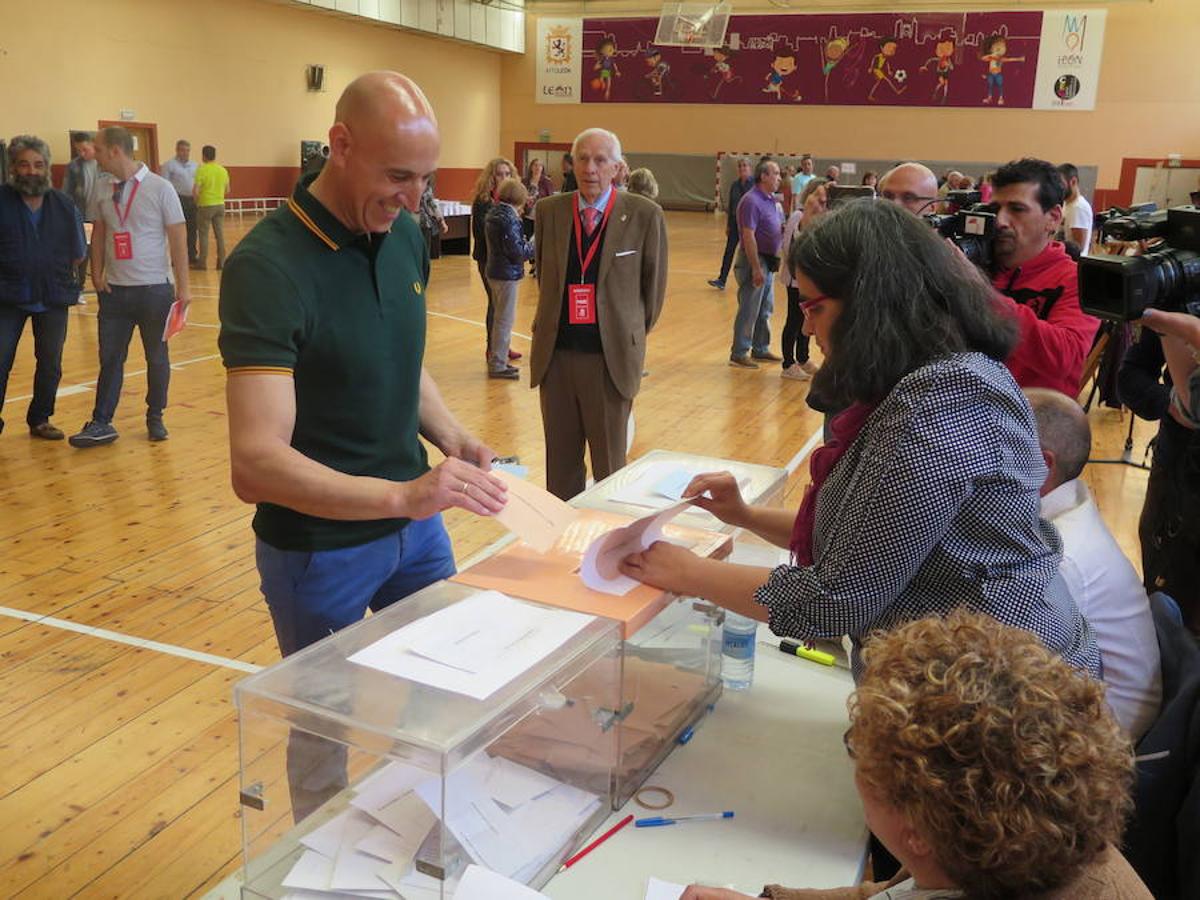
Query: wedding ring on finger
[(466, 488)]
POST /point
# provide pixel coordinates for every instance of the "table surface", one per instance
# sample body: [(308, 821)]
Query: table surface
[(772, 754)]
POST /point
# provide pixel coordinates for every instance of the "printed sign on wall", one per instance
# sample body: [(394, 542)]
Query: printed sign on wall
[(558, 54), (967, 59), (1069, 68)]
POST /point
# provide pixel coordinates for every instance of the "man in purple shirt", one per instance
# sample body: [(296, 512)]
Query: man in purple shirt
[(760, 224)]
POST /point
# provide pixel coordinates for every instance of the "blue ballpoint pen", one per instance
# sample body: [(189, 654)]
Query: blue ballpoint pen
[(663, 820)]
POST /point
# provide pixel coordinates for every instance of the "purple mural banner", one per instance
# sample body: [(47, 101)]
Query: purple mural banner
[(975, 59)]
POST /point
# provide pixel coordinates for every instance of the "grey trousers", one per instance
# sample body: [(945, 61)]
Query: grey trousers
[(504, 313), (216, 216)]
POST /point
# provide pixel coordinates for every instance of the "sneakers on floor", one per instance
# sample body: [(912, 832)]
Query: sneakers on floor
[(510, 373), (155, 428), (795, 372), (93, 434), (46, 432), (743, 362), (513, 354), (810, 367), (717, 283), (768, 356)]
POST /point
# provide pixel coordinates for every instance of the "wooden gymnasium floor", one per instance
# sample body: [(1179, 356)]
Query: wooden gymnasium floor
[(118, 759)]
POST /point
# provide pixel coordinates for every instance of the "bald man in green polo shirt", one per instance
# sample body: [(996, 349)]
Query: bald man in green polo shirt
[(323, 334)]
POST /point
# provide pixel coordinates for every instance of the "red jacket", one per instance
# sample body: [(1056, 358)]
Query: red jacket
[(1056, 335)]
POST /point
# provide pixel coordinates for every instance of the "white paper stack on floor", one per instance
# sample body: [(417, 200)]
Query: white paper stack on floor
[(508, 818)]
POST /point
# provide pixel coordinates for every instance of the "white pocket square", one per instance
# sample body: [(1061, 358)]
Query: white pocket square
[(625, 253)]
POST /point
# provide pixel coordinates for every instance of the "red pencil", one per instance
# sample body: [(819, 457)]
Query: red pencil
[(596, 843)]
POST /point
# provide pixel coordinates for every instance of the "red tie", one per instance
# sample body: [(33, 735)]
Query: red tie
[(590, 215)]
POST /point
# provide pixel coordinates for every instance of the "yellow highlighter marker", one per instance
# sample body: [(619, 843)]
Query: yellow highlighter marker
[(793, 648)]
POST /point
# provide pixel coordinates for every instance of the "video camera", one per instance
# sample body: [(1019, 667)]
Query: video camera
[(1120, 288), (972, 229)]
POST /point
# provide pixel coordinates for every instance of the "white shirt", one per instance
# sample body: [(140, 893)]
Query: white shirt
[(182, 175), (1078, 214), (1111, 597), (154, 207)]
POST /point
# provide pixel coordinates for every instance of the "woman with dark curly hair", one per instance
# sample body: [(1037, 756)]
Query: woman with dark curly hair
[(925, 496), (988, 766)]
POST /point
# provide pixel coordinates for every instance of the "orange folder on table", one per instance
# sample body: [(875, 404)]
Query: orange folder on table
[(553, 577)]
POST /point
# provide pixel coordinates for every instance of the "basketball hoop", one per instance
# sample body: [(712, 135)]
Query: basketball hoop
[(693, 24)]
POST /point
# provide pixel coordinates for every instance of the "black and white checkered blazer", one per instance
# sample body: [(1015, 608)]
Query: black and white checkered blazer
[(935, 505)]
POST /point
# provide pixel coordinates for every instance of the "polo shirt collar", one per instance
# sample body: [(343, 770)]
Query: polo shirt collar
[(317, 219), (140, 174)]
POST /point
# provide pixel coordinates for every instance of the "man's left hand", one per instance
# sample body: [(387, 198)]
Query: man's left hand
[(445, 227), (663, 565)]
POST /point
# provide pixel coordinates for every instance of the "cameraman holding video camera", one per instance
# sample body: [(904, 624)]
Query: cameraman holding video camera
[(1039, 278)]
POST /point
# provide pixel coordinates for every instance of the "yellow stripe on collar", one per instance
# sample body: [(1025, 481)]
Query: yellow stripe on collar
[(311, 225)]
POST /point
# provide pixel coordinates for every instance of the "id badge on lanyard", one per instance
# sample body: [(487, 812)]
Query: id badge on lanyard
[(581, 298), (581, 304), (123, 240)]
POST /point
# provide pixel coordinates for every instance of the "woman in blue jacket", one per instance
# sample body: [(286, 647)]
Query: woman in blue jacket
[(507, 253)]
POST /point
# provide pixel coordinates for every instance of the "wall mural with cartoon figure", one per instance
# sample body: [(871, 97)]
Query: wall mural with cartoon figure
[(877, 59)]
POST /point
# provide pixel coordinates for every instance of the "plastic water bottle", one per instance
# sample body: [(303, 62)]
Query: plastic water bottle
[(737, 651)]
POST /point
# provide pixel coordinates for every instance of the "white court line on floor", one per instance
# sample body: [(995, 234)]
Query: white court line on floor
[(794, 463), (117, 637), (85, 386), (473, 322)]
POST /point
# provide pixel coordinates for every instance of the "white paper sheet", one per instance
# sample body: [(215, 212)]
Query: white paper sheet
[(540, 630), (600, 569), (384, 844), (656, 889), (386, 784), (327, 838), (659, 486), (412, 885), (514, 842), (407, 816), (354, 870), (309, 879), (480, 884)]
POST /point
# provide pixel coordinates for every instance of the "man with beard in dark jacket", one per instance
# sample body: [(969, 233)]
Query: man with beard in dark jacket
[(39, 257)]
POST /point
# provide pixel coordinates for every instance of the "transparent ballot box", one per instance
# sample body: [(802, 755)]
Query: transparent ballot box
[(671, 672), (458, 726), (654, 481)]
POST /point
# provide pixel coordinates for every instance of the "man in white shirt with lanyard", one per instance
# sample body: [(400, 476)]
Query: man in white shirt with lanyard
[(138, 239)]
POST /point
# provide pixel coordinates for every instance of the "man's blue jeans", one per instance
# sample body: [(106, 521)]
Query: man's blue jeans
[(752, 326), (312, 595), (49, 335), (145, 307)]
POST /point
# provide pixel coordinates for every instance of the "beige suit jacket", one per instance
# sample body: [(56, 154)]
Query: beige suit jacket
[(630, 286)]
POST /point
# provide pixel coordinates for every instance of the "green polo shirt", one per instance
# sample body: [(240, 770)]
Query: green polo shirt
[(344, 315)]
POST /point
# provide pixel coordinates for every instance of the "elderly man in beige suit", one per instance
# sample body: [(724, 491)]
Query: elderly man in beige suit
[(601, 258)]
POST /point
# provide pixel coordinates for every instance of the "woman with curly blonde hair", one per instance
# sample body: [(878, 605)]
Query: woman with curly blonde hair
[(989, 767)]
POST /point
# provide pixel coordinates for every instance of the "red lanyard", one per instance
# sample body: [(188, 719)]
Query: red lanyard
[(117, 207), (584, 262)]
